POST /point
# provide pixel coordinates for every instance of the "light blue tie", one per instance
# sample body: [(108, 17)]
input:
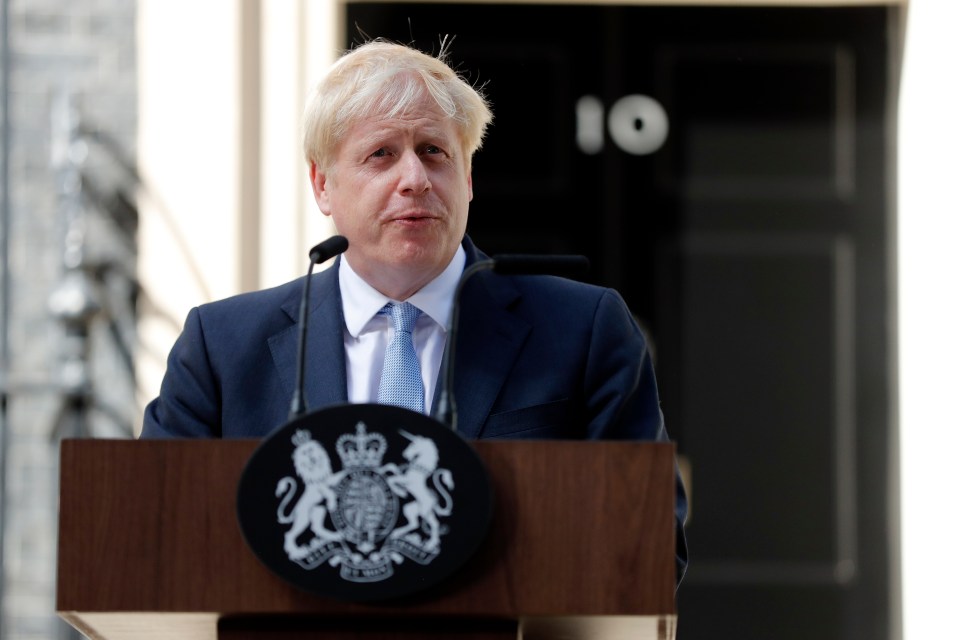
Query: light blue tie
[(401, 383)]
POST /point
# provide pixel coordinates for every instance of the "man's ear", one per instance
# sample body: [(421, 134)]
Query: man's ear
[(318, 181), (470, 187)]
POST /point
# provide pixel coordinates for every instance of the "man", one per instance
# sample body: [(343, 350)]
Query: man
[(389, 137)]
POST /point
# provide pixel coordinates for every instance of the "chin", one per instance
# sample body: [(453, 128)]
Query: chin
[(427, 249)]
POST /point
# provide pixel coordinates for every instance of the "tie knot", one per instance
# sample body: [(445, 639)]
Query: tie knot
[(404, 316)]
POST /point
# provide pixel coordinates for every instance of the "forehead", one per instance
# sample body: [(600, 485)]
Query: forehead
[(415, 125)]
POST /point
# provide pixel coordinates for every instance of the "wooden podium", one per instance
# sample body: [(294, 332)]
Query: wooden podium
[(581, 546)]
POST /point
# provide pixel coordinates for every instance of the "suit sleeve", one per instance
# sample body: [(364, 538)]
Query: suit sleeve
[(188, 404), (621, 393)]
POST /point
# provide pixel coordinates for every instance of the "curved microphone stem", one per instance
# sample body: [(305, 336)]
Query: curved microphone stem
[(327, 249), (446, 406), (508, 264)]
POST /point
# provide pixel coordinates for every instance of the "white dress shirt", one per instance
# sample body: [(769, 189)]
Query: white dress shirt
[(367, 333)]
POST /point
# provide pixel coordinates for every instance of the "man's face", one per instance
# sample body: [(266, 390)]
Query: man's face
[(399, 190)]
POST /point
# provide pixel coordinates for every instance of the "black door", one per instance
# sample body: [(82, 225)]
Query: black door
[(728, 169)]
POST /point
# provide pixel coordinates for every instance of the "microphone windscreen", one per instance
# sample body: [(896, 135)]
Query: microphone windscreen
[(332, 246)]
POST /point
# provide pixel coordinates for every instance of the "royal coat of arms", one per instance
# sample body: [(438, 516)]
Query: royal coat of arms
[(367, 516)]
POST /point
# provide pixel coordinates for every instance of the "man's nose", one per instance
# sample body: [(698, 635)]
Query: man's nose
[(413, 175)]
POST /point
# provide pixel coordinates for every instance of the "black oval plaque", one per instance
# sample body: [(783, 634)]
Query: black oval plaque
[(364, 502)]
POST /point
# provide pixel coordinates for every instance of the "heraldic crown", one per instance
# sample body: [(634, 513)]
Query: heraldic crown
[(362, 449), (301, 437)]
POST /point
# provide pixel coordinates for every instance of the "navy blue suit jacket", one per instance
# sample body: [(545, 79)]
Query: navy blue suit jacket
[(538, 357)]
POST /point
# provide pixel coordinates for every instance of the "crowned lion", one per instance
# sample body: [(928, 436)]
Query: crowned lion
[(313, 466)]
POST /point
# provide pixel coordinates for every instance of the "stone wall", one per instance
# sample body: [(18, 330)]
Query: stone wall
[(70, 271)]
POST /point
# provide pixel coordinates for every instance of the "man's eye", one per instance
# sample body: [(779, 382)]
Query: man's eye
[(432, 149), (379, 153)]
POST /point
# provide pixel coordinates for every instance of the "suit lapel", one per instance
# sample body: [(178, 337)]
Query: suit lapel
[(325, 363), (489, 341)]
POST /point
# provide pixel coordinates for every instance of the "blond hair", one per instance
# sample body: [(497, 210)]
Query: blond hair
[(382, 78)]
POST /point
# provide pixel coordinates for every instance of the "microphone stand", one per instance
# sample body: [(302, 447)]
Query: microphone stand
[(446, 405), (327, 249), (508, 264)]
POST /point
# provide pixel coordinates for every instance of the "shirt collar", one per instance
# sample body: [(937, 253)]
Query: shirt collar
[(361, 302)]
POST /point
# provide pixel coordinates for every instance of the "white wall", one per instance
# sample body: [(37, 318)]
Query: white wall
[(300, 40), (929, 316), (194, 128), (187, 140)]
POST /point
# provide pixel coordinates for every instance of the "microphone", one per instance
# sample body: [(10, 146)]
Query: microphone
[(332, 246), (503, 264)]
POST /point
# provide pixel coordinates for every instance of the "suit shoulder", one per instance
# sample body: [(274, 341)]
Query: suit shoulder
[(567, 301), (285, 296), (564, 290), (271, 297)]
